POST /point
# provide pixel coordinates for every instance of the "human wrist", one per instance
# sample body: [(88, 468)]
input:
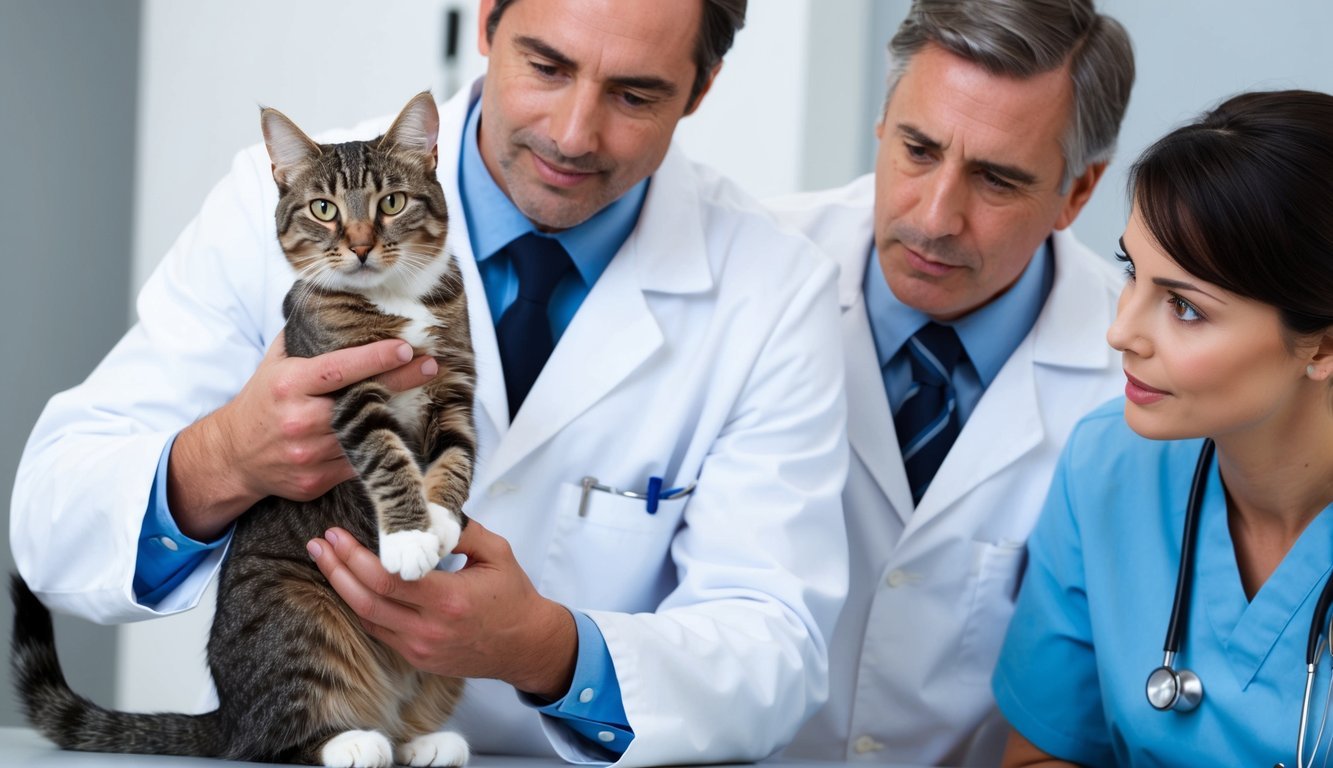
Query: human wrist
[(552, 654), (206, 492)]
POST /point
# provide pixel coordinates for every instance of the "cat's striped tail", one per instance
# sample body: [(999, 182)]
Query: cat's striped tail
[(72, 721)]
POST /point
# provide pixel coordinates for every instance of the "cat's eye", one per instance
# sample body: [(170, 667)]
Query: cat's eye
[(324, 210), (393, 203)]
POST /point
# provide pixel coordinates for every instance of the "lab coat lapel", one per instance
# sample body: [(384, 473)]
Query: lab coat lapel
[(1005, 425), (870, 429), (615, 331), (490, 391)]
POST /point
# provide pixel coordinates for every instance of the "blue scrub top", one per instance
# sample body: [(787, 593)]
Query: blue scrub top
[(1092, 614)]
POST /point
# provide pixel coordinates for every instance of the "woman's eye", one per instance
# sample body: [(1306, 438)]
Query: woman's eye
[(324, 210), (1183, 310), (1129, 265), (393, 203)]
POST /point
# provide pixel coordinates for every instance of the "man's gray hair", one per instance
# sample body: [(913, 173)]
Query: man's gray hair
[(1023, 38)]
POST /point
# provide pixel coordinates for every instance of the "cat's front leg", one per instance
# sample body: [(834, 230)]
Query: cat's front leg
[(409, 543)]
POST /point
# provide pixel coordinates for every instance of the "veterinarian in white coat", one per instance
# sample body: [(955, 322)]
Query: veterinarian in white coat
[(705, 353), (968, 175)]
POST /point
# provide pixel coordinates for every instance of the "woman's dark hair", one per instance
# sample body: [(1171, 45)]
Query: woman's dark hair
[(1243, 198), (722, 19)]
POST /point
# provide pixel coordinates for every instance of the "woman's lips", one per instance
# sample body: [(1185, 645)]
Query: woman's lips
[(1141, 394)]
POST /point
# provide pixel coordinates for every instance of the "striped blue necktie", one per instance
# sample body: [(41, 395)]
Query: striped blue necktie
[(927, 421)]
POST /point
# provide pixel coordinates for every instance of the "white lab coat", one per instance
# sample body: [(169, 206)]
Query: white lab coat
[(707, 350), (932, 589)]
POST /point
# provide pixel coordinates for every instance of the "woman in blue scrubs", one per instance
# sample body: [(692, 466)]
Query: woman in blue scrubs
[(1226, 330)]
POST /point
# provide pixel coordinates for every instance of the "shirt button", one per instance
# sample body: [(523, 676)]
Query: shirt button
[(897, 578), (586, 695), (605, 736), (168, 543), (866, 744)]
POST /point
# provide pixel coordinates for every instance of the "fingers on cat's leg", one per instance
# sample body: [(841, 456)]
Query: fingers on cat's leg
[(357, 749), (445, 524), (435, 749), (410, 554)]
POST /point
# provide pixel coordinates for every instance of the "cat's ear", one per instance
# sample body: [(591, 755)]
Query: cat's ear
[(288, 146), (416, 129)]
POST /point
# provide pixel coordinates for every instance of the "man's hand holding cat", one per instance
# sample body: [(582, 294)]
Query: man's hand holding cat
[(487, 620), (275, 438)]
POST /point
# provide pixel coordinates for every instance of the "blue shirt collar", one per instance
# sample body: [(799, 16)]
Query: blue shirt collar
[(493, 220), (990, 334)]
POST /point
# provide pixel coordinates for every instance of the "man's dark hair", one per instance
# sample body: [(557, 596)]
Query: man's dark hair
[(722, 19)]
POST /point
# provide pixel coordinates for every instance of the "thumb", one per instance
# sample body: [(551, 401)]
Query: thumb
[(481, 545)]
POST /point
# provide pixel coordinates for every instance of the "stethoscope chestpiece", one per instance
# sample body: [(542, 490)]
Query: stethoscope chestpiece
[(1170, 689)]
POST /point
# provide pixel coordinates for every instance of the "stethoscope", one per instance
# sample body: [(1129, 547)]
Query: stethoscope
[(1182, 690)]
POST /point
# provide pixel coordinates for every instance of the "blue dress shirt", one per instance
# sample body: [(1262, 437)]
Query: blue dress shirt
[(593, 708), (989, 335)]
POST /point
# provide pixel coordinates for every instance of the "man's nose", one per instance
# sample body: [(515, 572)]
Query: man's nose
[(943, 204), (576, 121)]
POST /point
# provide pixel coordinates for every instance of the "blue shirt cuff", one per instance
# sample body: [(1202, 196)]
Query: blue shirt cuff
[(166, 556), (592, 708)]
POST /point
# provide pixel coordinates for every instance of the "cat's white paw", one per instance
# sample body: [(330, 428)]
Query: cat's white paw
[(444, 523), (410, 554), (435, 749), (357, 749)]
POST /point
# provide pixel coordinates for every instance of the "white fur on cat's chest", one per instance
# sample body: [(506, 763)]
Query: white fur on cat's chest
[(407, 406), (419, 321)]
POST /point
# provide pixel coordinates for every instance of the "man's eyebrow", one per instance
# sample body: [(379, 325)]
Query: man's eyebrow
[(651, 83), (1175, 285), (1010, 173)]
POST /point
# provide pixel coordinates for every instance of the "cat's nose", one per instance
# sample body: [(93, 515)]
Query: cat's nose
[(362, 251)]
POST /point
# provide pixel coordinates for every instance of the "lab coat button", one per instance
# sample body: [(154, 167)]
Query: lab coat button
[(605, 736), (168, 543), (586, 695), (897, 578), (865, 744)]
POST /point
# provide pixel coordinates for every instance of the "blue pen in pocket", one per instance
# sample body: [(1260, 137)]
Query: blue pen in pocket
[(651, 497)]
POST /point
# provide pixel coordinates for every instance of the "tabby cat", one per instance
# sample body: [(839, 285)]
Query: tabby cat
[(298, 679)]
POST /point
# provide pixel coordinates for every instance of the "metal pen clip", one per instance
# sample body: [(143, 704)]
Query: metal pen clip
[(651, 497)]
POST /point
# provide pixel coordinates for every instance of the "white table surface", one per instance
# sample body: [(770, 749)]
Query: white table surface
[(24, 748)]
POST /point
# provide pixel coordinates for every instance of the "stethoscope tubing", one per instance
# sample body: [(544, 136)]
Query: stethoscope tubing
[(1175, 631)]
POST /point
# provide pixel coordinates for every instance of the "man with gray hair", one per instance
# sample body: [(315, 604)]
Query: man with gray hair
[(974, 329)]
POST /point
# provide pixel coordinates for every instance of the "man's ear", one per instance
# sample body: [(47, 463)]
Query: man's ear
[(699, 97), (484, 13), (1080, 190)]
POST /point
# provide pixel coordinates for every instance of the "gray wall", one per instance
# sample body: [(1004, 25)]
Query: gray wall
[(68, 79)]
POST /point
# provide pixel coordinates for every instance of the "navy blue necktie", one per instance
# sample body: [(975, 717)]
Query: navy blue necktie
[(524, 331), (927, 422)]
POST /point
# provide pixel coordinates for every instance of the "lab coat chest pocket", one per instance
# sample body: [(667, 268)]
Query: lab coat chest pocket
[(995, 570), (612, 557)]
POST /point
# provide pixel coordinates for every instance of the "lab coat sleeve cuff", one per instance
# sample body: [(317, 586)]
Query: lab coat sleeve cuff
[(166, 557), (592, 709)]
